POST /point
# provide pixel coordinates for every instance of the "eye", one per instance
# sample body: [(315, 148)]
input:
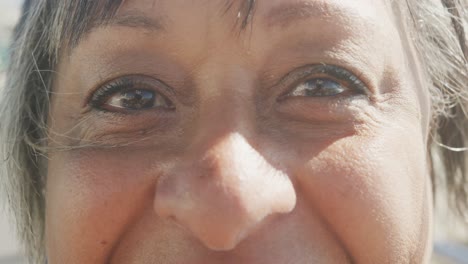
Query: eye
[(137, 99), (318, 87), (322, 80), (131, 94)]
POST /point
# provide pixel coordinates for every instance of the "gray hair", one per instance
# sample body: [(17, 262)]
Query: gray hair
[(48, 27)]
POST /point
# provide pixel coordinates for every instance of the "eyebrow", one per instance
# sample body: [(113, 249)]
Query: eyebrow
[(287, 14), (282, 15), (136, 20)]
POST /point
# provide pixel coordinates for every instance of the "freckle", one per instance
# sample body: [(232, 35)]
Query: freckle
[(103, 242)]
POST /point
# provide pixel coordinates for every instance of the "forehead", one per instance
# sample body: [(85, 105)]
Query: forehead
[(368, 20), (269, 10), (362, 29), (87, 15), (348, 23)]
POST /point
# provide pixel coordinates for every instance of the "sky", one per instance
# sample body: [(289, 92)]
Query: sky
[(9, 13)]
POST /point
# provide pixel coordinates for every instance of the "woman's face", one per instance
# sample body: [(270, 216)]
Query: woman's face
[(299, 138)]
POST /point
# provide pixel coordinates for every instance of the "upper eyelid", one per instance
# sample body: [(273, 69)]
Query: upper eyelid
[(302, 73), (296, 75), (167, 90)]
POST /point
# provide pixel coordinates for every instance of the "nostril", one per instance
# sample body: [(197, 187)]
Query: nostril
[(222, 196)]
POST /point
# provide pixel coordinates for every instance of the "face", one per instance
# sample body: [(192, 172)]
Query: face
[(299, 138)]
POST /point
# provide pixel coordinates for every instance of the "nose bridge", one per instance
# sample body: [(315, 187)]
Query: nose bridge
[(228, 105), (222, 194), (225, 78)]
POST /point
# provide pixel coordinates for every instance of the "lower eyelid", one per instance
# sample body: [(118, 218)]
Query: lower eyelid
[(343, 109), (116, 124)]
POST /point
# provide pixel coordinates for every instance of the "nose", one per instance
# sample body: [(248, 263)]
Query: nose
[(222, 196)]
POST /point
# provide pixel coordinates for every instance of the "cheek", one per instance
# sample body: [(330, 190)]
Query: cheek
[(92, 201), (371, 190)]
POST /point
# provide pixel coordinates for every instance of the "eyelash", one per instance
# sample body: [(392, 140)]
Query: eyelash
[(325, 71), (291, 81), (123, 84)]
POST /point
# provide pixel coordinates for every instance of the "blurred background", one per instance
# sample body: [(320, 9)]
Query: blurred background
[(9, 248), (451, 240)]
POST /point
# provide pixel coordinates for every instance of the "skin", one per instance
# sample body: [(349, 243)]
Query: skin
[(238, 173)]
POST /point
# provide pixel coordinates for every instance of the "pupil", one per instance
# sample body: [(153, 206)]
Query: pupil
[(138, 99), (323, 87)]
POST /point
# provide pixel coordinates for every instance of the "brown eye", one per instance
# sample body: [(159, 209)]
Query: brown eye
[(137, 99), (322, 80), (318, 87), (132, 93)]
